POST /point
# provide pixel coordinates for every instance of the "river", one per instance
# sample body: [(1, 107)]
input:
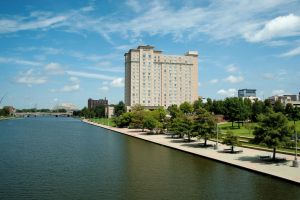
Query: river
[(64, 158)]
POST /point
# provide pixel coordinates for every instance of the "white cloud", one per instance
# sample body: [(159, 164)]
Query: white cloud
[(118, 82), (227, 93), (19, 61), (134, 5), (74, 79), (104, 88), (269, 76), (214, 81), (30, 77), (291, 53), (54, 68), (70, 88), (67, 88), (282, 26), (90, 75), (278, 92), (231, 68), (162, 18), (37, 20), (123, 47), (234, 79)]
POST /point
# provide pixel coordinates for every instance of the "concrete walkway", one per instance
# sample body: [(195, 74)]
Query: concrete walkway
[(249, 158)]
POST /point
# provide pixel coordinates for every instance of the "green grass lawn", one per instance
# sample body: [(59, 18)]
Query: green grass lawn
[(104, 121), (247, 129)]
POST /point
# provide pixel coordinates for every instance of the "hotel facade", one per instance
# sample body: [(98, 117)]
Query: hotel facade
[(153, 79)]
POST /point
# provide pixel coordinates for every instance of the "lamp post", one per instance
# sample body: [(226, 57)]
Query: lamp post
[(295, 161), (216, 145)]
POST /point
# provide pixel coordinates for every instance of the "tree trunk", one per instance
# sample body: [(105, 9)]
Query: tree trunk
[(189, 137), (274, 153), (239, 125), (232, 149), (231, 123), (205, 142)]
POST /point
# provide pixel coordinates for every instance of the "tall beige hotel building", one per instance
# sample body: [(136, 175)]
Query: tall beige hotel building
[(153, 79)]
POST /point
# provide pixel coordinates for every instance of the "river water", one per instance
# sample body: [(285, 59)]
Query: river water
[(64, 158)]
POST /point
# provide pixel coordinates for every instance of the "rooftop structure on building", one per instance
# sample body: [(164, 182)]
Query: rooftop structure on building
[(154, 79)]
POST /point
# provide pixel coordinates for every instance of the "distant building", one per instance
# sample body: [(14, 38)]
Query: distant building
[(109, 110), (11, 110), (154, 79), (69, 107), (246, 93), (285, 99), (94, 103)]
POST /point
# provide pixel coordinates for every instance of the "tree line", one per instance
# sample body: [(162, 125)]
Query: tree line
[(99, 111), (198, 120)]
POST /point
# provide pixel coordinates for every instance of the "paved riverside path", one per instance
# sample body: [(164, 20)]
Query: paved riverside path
[(249, 158)]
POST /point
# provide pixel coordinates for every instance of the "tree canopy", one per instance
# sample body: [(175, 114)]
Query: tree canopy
[(273, 131)]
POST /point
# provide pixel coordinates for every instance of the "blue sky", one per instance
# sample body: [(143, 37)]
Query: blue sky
[(56, 52)]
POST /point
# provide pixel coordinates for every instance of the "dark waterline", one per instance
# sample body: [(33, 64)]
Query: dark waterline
[(63, 158)]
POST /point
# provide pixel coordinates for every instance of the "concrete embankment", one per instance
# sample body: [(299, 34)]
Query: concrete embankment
[(250, 159)]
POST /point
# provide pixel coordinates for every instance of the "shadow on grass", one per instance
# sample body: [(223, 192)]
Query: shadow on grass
[(266, 161)]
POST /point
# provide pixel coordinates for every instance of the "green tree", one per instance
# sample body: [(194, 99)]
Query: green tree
[(268, 106), (182, 125), (289, 109), (99, 111), (208, 105), (150, 123), (218, 107), (123, 120), (273, 131), (198, 104), (204, 125), (173, 111), (4, 111), (231, 140), (257, 109), (186, 108), (138, 119), (236, 110), (160, 115), (120, 108), (278, 106)]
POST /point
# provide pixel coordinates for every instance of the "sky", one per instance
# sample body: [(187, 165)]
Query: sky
[(54, 52)]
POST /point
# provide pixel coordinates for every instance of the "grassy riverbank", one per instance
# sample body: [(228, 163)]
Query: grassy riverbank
[(103, 121), (6, 118)]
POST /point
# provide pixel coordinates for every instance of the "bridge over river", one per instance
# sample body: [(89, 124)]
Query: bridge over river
[(36, 114)]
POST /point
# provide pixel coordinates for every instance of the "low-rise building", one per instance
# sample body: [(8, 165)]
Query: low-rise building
[(285, 99), (109, 110), (94, 103)]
